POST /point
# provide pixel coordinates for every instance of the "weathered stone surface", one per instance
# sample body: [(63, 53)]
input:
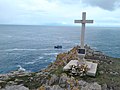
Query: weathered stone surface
[(63, 79), (68, 66), (15, 87), (91, 86), (47, 87), (54, 79), (56, 87), (75, 88), (101, 72), (18, 80), (42, 88), (90, 54), (104, 87), (92, 67), (114, 73), (2, 81), (11, 82), (82, 83), (97, 53)]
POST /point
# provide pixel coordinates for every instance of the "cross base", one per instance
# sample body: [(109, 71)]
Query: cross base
[(92, 67)]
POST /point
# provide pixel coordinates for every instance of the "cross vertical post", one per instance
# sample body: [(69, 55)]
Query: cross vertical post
[(83, 21), (83, 29)]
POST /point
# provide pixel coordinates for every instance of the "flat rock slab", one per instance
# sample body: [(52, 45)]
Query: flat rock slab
[(92, 67), (68, 66)]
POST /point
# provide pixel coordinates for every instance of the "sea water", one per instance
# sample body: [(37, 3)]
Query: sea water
[(31, 48)]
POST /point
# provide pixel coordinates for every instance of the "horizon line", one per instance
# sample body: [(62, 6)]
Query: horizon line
[(56, 25)]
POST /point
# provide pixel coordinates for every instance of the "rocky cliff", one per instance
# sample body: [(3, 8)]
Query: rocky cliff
[(54, 78)]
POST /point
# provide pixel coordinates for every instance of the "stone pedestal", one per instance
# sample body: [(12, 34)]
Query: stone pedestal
[(92, 67)]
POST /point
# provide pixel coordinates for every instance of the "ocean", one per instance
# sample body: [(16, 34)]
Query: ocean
[(31, 48)]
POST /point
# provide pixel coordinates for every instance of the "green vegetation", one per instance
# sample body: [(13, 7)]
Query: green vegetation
[(58, 71)]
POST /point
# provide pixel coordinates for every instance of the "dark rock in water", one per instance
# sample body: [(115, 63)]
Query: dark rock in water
[(58, 47)]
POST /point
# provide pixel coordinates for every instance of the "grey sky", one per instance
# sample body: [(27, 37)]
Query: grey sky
[(62, 12), (105, 4)]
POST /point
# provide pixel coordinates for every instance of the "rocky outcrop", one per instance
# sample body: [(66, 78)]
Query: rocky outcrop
[(54, 78)]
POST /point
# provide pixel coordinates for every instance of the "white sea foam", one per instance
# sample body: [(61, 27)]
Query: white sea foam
[(45, 49), (94, 48), (67, 41), (40, 57), (46, 60), (32, 62), (16, 49), (30, 49), (50, 53), (20, 49), (60, 49), (77, 43), (21, 68)]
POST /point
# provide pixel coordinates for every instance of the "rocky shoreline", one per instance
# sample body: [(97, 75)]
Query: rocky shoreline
[(54, 78)]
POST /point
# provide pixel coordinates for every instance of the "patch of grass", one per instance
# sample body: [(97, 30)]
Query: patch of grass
[(58, 71)]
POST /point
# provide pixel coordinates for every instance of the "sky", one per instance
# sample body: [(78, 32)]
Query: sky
[(59, 12)]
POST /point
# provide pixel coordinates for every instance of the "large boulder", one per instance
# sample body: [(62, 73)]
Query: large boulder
[(54, 79), (63, 81)]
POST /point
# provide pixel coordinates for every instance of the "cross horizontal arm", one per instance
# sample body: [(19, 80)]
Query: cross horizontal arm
[(83, 21)]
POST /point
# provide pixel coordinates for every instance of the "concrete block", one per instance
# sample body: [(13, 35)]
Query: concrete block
[(92, 67)]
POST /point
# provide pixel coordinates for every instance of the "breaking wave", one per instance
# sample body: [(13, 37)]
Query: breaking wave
[(17, 49), (40, 57), (34, 61), (20, 68), (50, 53)]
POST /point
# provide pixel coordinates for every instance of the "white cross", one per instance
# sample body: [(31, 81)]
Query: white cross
[(83, 21)]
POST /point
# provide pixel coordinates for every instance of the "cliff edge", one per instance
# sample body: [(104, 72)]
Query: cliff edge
[(54, 78)]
